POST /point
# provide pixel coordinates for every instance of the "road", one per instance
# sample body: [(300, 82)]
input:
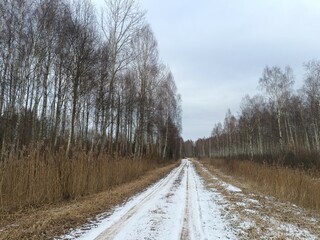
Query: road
[(177, 207), (185, 206)]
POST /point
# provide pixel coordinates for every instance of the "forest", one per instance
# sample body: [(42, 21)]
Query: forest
[(279, 126), (91, 126), (83, 93), (68, 80)]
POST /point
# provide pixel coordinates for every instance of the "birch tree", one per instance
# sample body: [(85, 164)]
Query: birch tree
[(312, 90), (277, 85), (121, 19), (146, 65)]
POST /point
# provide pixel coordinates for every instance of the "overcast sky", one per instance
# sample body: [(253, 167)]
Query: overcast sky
[(217, 49)]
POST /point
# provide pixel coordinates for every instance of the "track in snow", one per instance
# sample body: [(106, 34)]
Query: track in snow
[(177, 207)]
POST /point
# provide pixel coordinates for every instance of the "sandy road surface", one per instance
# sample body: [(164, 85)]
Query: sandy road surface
[(177, 207)]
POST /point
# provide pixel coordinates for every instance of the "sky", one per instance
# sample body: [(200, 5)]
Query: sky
[(217, 50)]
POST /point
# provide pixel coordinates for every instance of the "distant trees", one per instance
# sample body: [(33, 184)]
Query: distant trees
[(69, 82), (311, 96), (277, 84), (281, 126)]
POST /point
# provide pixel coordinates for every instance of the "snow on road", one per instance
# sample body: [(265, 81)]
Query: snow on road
[(177, 207), (184, 206)]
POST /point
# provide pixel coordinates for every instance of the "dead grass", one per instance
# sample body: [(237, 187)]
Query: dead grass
[(52, 220), (36, 179), (264, 217), (295, 186)]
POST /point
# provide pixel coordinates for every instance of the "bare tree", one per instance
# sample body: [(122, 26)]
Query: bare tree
[(120, 21), (146, 65), (278, 85), (81, 38), (64, 83), (312, 91)]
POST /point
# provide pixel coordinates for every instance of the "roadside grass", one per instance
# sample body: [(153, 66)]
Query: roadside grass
[(53, 219), (293, 185), (40, 178), (254, 214)]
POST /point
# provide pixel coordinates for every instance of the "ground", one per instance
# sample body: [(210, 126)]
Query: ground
[(55, 219), (192, 202)]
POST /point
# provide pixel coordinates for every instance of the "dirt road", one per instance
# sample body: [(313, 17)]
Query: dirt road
[(177, 207), (184, 206)]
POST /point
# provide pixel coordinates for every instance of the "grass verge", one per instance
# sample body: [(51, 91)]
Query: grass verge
[(252, 214), (292, 185), (38, 178), (48, 221)]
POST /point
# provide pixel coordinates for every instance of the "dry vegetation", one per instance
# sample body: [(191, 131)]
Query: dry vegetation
[(72, 114), (296, 186), (253, 214), (51, 220), (37, 179)]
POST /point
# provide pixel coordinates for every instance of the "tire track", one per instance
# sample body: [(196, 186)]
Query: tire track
[(185, 227), (113, 230), (197, 210), (192, 225), (177, 207)]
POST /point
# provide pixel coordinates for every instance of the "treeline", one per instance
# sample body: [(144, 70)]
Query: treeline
[(279, 126), (71, 79)]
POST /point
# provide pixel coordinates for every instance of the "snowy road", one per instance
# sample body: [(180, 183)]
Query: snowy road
[(185, 206), (177, 207)]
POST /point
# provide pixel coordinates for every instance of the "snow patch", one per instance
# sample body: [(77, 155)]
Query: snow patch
[(231, 188), (178, 205)]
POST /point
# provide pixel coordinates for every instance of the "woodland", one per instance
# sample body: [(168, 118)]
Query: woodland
[(87, 104), (70, 80), (280, 126), (90, 116), (85, 101)]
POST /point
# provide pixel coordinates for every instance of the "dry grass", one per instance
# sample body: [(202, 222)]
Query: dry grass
[(295, 186), (37, 179), (266, 217), (52, 220)]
